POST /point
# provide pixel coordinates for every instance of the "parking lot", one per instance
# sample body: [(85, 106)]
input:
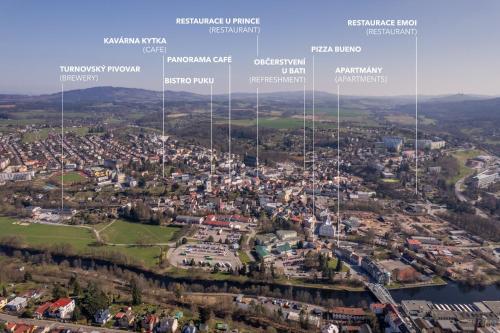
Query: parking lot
[(217, 234), (205, 255)]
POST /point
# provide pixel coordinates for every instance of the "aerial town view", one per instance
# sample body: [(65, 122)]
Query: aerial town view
[(211, 166)]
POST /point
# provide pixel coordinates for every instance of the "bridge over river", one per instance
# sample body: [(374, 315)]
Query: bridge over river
[(384, 296)]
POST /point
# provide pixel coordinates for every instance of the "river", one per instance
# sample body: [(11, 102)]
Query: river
[(451, 293)]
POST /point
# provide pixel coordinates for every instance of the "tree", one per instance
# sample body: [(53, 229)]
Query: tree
[(27, 277), (280, 315), (370, 236), (142, 182), (338, 268), (77, 289), (304, 319), (28, 313), (77, 314), (311, 260), (243, 269), (374, 323), (178, 289), (136, 292), (94, 299), (71, 281), (271, 329), (205, 314), (59, 292)]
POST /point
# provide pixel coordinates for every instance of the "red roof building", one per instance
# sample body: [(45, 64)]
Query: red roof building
[(42, 310)]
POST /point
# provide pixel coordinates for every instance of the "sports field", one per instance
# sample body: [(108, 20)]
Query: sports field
[(40, 234), (70, 177), (83, 240), (124, 232)]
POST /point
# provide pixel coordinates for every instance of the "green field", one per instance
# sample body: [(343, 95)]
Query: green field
[(72, 177), (462, 156), (69, 178), (44, 133), (390, 180), (148, 255), (279, 123), (123, 232), (245, 259), (83, 240), (405, 119), (276, 123), (40, 234), (495, 142), (332, 263)]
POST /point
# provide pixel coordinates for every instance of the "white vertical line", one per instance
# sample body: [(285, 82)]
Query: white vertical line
[(257, 164), (257, 46), (163, 113), (229, 132), (62, 147), (304, 126), (313, 139), (211, 131), (338, 165), (416, 115)]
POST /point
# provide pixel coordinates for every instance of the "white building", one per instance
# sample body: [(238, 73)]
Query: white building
[(17, 304), (330, 328), (327, 229), (167, 325), (486, 178), (286, 234)]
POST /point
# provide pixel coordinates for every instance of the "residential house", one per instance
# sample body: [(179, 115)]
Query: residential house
[(348, 314), (17, 304), (20, 328), (125, 318), (377, 308), (167, 325), (414, 244), (3, 302), (41, 310), (189, 329), (62, 308), (102, 316), (32, 294), (149, 322), (330, 328)]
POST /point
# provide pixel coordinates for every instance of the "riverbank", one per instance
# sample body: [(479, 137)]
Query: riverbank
[(302, 292), (436, 281), (451, 292)]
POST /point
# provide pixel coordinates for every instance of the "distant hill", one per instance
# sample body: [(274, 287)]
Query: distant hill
[(455, 109), (437, 105), (456, 98), (105, 95)]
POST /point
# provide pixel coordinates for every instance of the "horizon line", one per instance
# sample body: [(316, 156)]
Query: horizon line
[(253, 93)]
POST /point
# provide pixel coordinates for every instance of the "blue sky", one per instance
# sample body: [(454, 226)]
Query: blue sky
[(458, 42)]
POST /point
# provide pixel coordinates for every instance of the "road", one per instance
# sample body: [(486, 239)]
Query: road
[(52, 324), (463, 198), (458, 190)]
